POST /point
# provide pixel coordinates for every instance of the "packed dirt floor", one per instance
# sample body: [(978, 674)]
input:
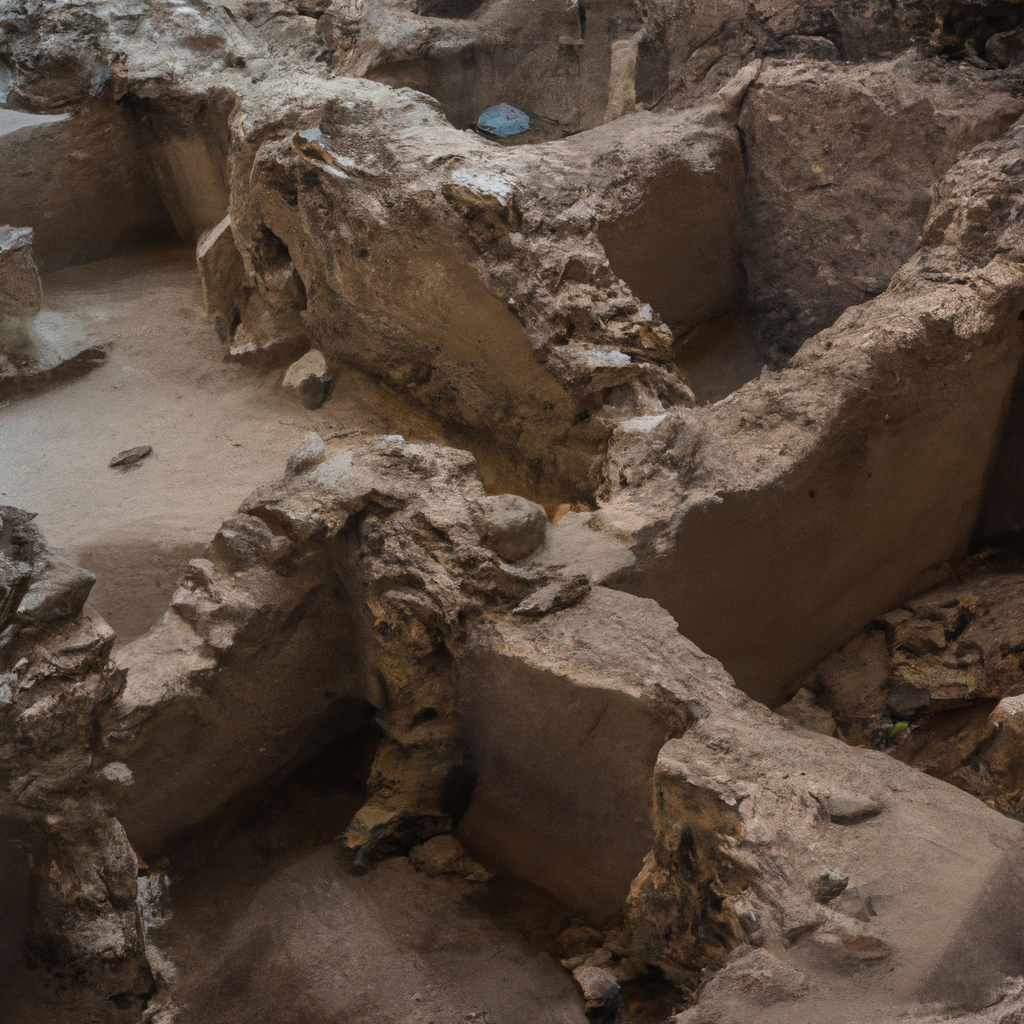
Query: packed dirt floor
[(217, 429)]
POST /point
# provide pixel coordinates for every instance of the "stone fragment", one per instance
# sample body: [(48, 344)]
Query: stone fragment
[(445, 855), (1005, 49), (20, 290), (513, 527), (847, 808), (86, 927), (829, 884), (244, 540), (117, 772), (59, 592), (554, 597), (13, 576), (604, 999), (222, 274), (308, 378), (1004, 758), (503, 120), (131, 457), (309, 452), (805, 711), (853, 903)]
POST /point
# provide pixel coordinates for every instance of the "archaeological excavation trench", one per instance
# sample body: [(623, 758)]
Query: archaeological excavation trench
[(566, 575)]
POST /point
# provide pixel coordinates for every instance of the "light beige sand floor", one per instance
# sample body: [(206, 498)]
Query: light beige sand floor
[(218, 430)]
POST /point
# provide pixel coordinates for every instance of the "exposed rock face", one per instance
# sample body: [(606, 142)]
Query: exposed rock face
[(856, 147), (937, 682), (866, 388), (828, 195), (84, 926), (21, 293)]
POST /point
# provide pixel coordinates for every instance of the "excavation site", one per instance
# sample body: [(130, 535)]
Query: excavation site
[(511, 512)]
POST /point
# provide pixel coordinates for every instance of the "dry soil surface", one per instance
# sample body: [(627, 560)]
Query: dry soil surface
[(217, 429)]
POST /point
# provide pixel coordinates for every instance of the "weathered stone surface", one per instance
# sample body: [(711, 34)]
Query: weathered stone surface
[(922, 683), (310, 452), (57, 592), (865, 387), (308, 379), (857, 147), (513, 527), (20, 290), (70, 865), (541, 302)]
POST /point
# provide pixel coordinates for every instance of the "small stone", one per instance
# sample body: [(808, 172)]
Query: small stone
[(309, 452), (131, 457), (58, 593), (854, 904), (308, 378), (829, 884), (554, 597), (604, 1000), (503, 120), (847, 808), (513, 527), (117, 772), (445, 855)]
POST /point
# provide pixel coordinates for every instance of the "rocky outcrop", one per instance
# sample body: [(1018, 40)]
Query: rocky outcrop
[(849, 450), (856, 147), (936, 683), (542, 299), (84, 926)]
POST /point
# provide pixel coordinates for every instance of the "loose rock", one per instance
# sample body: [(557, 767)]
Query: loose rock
[(131, 457), (829, 884), (846, 808), (444, 855), (308, 378), (59, 592), (513, 527), (503, 120), (604, 999)]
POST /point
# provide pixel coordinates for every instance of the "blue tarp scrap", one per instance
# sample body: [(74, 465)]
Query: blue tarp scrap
[(503, 120)]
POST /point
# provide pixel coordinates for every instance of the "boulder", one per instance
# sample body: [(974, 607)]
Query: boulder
[(58, 592), (513, 527)]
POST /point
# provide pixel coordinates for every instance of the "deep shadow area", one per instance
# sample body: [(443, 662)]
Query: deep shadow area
[(720, 356), (269, 924)]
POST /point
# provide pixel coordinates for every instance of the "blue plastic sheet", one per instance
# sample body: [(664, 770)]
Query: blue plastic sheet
[(503, 120)]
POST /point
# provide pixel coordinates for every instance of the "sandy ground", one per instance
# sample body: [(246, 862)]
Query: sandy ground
[(218, 430), (268, 924)]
